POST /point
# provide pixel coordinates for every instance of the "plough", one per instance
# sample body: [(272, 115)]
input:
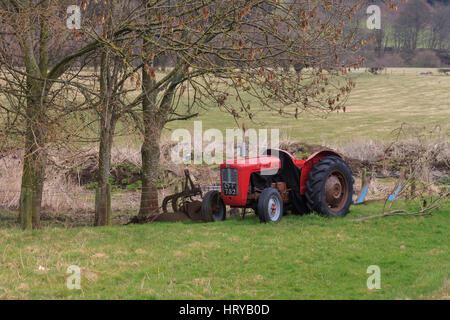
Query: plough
[(183, 201)]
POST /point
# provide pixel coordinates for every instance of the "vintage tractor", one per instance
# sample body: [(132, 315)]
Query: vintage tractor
[(276, 182)]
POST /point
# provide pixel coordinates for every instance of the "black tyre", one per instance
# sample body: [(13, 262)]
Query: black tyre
[(213, 208), (270, 206), (330, 187)]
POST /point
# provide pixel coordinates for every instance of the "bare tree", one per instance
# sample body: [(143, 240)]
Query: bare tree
[(37, 84), (113, 102)]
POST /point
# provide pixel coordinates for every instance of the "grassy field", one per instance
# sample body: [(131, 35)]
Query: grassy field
[(307, 257), (377, 106)]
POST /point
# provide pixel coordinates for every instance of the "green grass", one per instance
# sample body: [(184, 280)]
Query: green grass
[(307, 257)]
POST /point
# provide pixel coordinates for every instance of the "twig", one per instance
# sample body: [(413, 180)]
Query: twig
[(428, 210)]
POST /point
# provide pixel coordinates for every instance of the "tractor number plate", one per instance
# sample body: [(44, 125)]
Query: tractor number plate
[(230, 189)]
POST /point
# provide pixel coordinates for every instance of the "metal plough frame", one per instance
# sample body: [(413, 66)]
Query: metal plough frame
[(190, 190)]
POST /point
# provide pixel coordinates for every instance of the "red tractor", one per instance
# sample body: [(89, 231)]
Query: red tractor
[(276, 182)]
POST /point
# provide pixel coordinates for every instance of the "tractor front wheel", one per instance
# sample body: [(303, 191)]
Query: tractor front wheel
[(330, 187), (270, 205), (213, 208)]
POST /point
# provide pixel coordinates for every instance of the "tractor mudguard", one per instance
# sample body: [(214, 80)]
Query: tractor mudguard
[(309, 165)]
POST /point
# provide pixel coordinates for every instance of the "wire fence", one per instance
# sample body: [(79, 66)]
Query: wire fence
[(60, 201)]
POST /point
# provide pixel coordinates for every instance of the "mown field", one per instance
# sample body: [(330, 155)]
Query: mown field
[(307, 257), (377, 105)]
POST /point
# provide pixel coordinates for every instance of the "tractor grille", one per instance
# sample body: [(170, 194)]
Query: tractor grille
[(230, 182)]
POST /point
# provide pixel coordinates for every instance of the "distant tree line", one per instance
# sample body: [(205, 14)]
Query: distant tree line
[(417, 34)]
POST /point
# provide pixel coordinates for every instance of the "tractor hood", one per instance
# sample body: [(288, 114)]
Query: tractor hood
[(256, 163)]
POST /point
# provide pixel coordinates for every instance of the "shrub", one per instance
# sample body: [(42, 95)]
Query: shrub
[(426, 59), (390, 61)]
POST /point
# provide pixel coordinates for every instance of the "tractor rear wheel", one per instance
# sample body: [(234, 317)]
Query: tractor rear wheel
[(270, 205), (213, 208), (330, 187)]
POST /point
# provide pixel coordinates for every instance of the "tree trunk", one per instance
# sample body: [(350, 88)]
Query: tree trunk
[(34, 162), (107, 127), (103, 193), (150, 162), (154, 121), (32, 180), (150, 154), (152, 134)]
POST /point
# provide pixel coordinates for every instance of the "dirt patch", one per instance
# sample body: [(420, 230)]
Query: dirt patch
[(172, 217)]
